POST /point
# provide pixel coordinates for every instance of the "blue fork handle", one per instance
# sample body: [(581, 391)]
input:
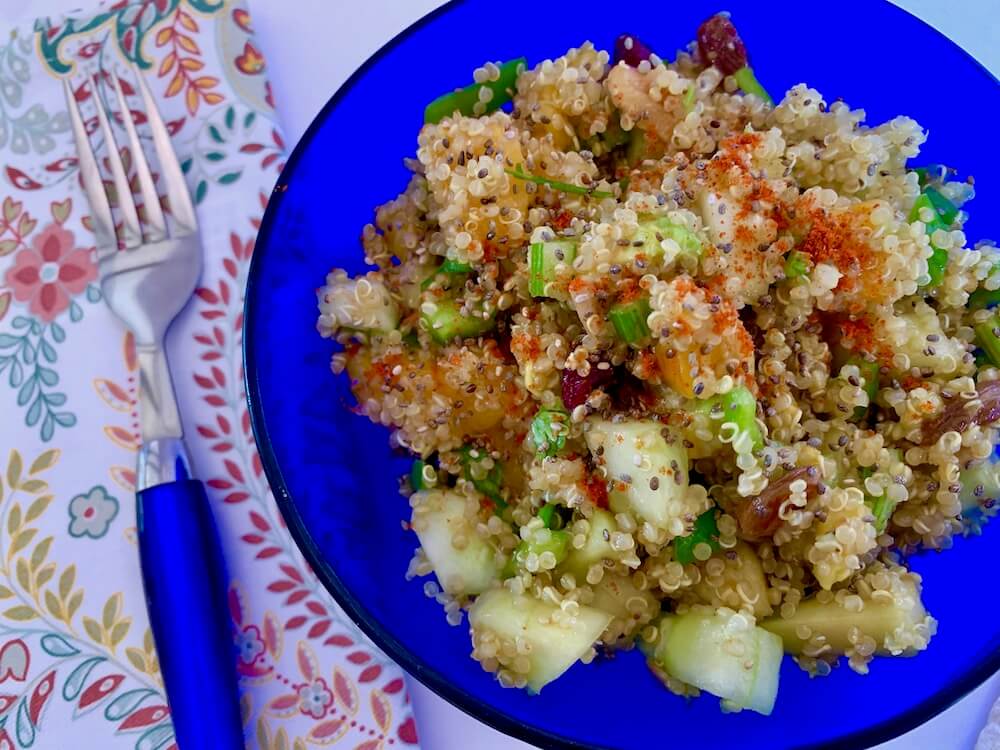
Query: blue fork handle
[(184, 580)]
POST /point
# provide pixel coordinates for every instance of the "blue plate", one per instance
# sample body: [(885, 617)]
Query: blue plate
[(336, 479)]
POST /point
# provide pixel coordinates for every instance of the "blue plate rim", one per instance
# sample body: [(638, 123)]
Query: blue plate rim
[(412, 664)]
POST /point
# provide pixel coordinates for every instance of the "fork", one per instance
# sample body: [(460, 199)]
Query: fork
[(146, 284)]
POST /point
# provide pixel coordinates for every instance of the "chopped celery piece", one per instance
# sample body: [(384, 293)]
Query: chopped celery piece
[(553, 643), (722, 654), (417, 476), (488, 482), (563, 187), (438, 518), (543, 257), (656, 488), (629, 320), (447, 322), (945, 209), (652, 232), (749, 84), (988, 338), (451, 267), (737, 407), (465, 100), (548, 431), (881, 619), (705, 532), (796, 265)]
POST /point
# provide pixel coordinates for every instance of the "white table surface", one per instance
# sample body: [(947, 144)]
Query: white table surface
[(308, 61)]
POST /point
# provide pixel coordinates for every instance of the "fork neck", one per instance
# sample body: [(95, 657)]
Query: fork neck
[(162, 461)]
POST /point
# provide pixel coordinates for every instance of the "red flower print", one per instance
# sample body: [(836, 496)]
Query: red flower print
[(51, 272), (251, 61)]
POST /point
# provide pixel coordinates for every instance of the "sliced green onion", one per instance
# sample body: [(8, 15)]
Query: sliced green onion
[(489, 484), (988, 339), (543, 540), (945, 209), (417, 476), (447, 322), (543, 257), (411, 339), (938, 261), (881, 507), (563, 187), (748, 82), (465, 100), (629, 320), (705, 531), (548, 431), (652, 231), (983, 298), (549, 516), (869, 371), (796, 265), (689, 97), (452, 266), (932, 174)]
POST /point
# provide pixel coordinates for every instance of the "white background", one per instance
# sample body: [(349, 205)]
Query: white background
[(312, 46)]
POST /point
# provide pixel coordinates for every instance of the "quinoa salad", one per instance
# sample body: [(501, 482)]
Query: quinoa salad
[(683, 369)]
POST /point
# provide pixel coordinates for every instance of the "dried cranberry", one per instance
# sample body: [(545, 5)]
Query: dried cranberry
[(597, 490), (720, 45), (630, 50), (576, 388), (631, 395)]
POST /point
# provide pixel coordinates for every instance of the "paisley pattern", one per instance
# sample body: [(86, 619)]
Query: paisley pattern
[(77, 658)]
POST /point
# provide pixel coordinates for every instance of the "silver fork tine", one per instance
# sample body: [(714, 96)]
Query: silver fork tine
[(90, 175), (156, 224), (174, 182), (131, 229)]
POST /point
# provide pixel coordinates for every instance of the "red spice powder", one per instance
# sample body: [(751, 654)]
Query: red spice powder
[(597, 491)]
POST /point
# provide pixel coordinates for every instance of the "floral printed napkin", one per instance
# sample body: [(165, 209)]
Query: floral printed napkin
[(77, 663)]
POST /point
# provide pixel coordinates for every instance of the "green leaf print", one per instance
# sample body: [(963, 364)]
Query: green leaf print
[(126, 703), (78, 677), (25, 358), (24, 728), (56, 645)]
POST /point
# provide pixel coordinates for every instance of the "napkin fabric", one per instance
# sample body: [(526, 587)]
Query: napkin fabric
[(77, 663)]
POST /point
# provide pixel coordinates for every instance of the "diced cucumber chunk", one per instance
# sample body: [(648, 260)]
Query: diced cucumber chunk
[(742, 585), (650, 476), (438, 519), (628, 605), (879, 619), (980, 485), (555, 641), (723, 654), (447, 322), (543, 259), (596, 548)]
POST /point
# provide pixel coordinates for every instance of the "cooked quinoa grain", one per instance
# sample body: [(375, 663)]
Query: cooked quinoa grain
[(681, 366)]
